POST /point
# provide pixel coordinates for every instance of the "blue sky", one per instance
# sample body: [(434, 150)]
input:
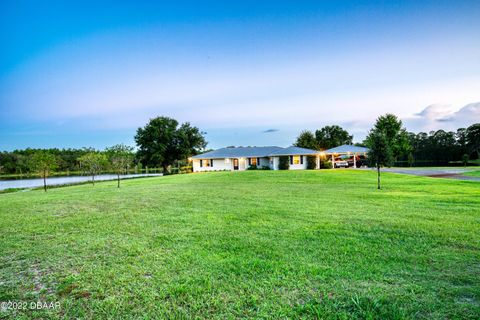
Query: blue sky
[(90, 73)]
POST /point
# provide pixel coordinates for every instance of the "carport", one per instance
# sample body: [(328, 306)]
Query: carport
[(346, 149)]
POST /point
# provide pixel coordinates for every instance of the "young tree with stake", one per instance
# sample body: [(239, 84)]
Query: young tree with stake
[(93, 163), (395, 134), (121, 157), (380, 153), (44, 163), (386, 140)]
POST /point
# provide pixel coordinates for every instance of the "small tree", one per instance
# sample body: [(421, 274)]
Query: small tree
[(121, 157), (411, 160), (93, 163), (44, 163), (380, 153), (283, 163), (395, 134), (465, 159)]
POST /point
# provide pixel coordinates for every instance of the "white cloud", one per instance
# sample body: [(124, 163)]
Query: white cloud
[(435, 111), (443, 116), (467, 114)]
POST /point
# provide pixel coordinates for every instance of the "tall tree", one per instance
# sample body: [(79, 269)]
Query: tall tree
[(190, 140), (121, 157), (473, 139), (306, 139), (461, 140), (93, 163), (380, 153), (161, 142), (397, 136), (44, 163), (332, 136)]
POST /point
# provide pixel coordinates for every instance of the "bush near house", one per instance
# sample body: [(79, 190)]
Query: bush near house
[(186, 169), (284, 163), (311, 162), (325, 164)]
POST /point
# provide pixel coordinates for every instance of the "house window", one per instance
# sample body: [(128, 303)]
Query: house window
[(206, 163), (297, 160), (253, 161)]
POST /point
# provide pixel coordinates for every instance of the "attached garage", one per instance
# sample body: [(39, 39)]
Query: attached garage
[(349, 151)]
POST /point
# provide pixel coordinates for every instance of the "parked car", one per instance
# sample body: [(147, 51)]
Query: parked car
[(340, 163), (360, 161)]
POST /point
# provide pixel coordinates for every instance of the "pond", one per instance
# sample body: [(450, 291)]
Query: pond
[(55, 181)]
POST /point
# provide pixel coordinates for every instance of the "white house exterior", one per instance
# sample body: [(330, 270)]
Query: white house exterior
[(241, 158)]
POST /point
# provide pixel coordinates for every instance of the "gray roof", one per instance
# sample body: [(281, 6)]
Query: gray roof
[(346, 148), (248, 152), (294, 151)]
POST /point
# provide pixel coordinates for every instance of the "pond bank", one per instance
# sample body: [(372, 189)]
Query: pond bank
[(58, 181)]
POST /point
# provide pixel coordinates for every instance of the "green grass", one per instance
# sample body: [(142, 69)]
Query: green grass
[(475, 173), (269, 244)]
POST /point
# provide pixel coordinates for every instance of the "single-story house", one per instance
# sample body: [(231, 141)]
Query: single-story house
[(241, 158)]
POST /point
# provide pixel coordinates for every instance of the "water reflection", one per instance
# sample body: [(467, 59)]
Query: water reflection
[(55, 181)]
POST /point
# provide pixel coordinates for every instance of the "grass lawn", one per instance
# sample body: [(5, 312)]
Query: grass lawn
[(262, 244), (475, 173)]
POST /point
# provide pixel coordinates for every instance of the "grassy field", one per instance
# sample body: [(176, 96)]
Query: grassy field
[(475, 173), (323, 244)]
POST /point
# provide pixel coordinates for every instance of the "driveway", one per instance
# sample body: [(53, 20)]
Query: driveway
[(451, 173)]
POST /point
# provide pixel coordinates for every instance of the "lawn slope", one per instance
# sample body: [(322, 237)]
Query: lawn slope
[(475, 173), (303, 244)]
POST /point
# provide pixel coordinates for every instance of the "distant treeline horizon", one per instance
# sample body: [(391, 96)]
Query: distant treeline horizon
[(435, 148), (17, 161)]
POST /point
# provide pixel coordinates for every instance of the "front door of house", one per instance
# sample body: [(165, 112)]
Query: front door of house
[(235, 164)]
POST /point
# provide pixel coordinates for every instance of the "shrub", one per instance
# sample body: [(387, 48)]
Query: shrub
[(311, 162), (284, 163), (325, 164), (265, 168), (252, 167), (186, 169)]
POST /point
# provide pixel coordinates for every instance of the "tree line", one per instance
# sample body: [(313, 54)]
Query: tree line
[(162, 142), (409, 149), (390, 143), (442, 147)]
